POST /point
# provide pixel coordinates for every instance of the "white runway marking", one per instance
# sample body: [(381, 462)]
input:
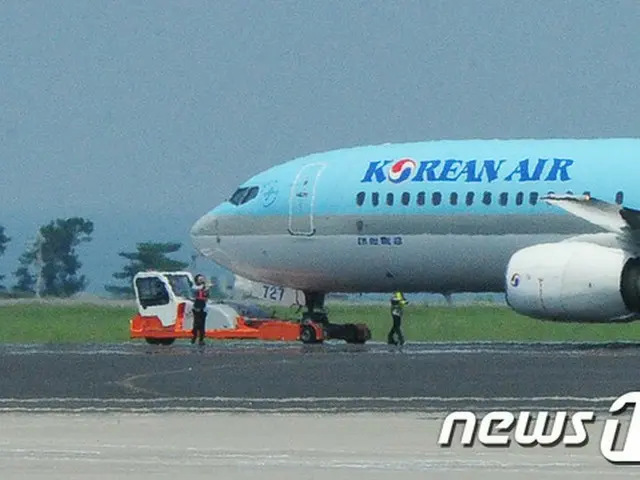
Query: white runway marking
[(311, 399), (425, 404), (336, 399)]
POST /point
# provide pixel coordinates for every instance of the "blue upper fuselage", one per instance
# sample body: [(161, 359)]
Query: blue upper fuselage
[(446, 177)]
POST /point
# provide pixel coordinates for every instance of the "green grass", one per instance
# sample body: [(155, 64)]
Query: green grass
[(36, 323), (41, 323)]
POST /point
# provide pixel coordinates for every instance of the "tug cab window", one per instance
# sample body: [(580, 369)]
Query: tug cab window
[(152, 292), (181, 285)]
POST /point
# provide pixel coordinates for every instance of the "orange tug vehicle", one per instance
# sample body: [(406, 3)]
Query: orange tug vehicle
[(165, 301)]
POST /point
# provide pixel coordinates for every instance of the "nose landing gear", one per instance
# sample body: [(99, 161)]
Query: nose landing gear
[(315, 326)]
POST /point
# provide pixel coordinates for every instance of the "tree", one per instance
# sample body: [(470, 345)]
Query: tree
[(149, 256), (53, 259), (4, 240)]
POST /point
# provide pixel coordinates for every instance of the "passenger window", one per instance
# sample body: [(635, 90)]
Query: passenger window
[(519, 198), (533, 198), (152, 292), (405, 198), (504, 198), (469, 200), (360, 198), (453, 198), (390, 199), (486, 198), (421, 198), (237, 196), (251, 194), (619, 198), (375, 198), (436, 198)]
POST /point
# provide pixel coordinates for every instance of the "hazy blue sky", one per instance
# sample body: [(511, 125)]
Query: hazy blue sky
[(155, 111)]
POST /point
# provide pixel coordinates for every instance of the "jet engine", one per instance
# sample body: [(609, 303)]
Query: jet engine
[(574, 282)]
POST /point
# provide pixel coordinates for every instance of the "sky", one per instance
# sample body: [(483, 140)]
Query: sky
[(142, 116)]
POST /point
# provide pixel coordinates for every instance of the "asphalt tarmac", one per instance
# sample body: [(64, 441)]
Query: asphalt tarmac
[(246, 410), (331, 377)]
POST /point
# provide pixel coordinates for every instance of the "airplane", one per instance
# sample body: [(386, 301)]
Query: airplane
[(542, 220)]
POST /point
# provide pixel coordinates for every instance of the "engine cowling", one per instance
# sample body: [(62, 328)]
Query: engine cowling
[(574, 282)]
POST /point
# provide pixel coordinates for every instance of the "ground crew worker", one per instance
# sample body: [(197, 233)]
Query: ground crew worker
[(397, 309), (200, 309)]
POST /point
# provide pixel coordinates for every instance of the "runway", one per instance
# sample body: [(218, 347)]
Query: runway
[(241, 410), (271, 447), (331, 377)]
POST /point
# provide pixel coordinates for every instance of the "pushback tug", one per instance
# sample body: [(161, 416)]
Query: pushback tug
[(165, 301)]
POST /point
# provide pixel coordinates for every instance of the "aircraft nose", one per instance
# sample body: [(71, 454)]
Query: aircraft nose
[(207, 225), (203, 234)]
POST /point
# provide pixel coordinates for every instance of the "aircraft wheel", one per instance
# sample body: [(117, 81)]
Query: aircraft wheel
[(307, 334), (357, 334), (351, 333)]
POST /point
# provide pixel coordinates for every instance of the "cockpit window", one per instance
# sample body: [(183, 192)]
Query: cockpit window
[(243, 195), (238, 195), (251, 194)]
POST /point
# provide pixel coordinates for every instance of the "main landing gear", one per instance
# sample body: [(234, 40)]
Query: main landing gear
[(315, 326)]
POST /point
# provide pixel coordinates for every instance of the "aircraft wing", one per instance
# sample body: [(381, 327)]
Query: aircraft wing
[(609, 216)]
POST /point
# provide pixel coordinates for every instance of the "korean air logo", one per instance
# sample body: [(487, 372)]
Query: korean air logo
[(270, 193), (401, 170)]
